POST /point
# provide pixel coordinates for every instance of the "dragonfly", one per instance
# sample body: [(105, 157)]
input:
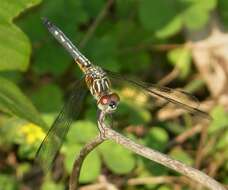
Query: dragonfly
[(98, 82)]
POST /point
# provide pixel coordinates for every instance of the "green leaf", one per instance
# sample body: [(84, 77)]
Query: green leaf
[(11, 9), (91, 166), (181, 57), (13, 101), (222, 9), (197, 13), (181, 155), (87, 128), (220, 119), (134, 115), (171, 28), (150, 13), (154, 168), (124, 8), (164, 187), (8, 182), (195, 17), (15, 48), (50, 185), (129, 59), (206, 4), (41, 96), (157, 138), (118, 159), (51, 58), (93, 8), (103, 52)]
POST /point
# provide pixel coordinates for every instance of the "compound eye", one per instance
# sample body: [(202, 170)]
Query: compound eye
[(115, 97), (104, 100)]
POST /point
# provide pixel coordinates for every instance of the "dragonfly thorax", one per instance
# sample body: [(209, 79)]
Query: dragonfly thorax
[(97, 82), (100, 87)]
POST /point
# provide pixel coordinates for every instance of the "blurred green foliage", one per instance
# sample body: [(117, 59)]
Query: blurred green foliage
[(36, 74)]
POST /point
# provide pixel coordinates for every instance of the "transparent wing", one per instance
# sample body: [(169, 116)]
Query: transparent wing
[(178, 97), (53, 141)]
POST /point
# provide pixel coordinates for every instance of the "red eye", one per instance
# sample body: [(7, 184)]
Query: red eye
[(105, 99), (115, 97)]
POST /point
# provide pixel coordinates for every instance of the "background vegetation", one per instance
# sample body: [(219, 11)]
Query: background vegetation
[(153, 41)]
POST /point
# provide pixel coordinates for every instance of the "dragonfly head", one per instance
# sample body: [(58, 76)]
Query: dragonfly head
[(109, 102)]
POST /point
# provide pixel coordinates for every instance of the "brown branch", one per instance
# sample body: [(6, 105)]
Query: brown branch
[(158, 180), (107, 133), (200, 152), (158, 157), (186, 135), (101, 184), (74, 177), (169, 77)]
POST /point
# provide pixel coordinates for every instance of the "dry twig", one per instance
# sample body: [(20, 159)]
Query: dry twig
[(73, 183), (108, 133)]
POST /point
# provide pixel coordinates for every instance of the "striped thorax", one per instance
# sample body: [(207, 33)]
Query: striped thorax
[(100, 87)]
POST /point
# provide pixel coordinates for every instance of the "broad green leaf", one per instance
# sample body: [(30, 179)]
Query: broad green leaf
[(150, 13), (181, 155), (195, 17), (71, 152), (124, 8), (103, 52), (129, 59), (220, 119), (14, 76), (91, 166), (181, 58), (93, 8), (206, 4), (11, 9), (157, 138), (51, 58), (222, 9), (82, 132), (118, 159), (197, 13), (154, 168), (13, 101), (50, 185), (171, 28), (8, 182), (193, 14), (41, 98), (134, 115), (164, 187), (15, 48)]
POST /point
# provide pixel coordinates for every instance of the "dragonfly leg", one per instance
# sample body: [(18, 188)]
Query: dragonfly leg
[(101, 119)]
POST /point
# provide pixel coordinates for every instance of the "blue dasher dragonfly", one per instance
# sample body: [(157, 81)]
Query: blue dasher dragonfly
[(98, 82)]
